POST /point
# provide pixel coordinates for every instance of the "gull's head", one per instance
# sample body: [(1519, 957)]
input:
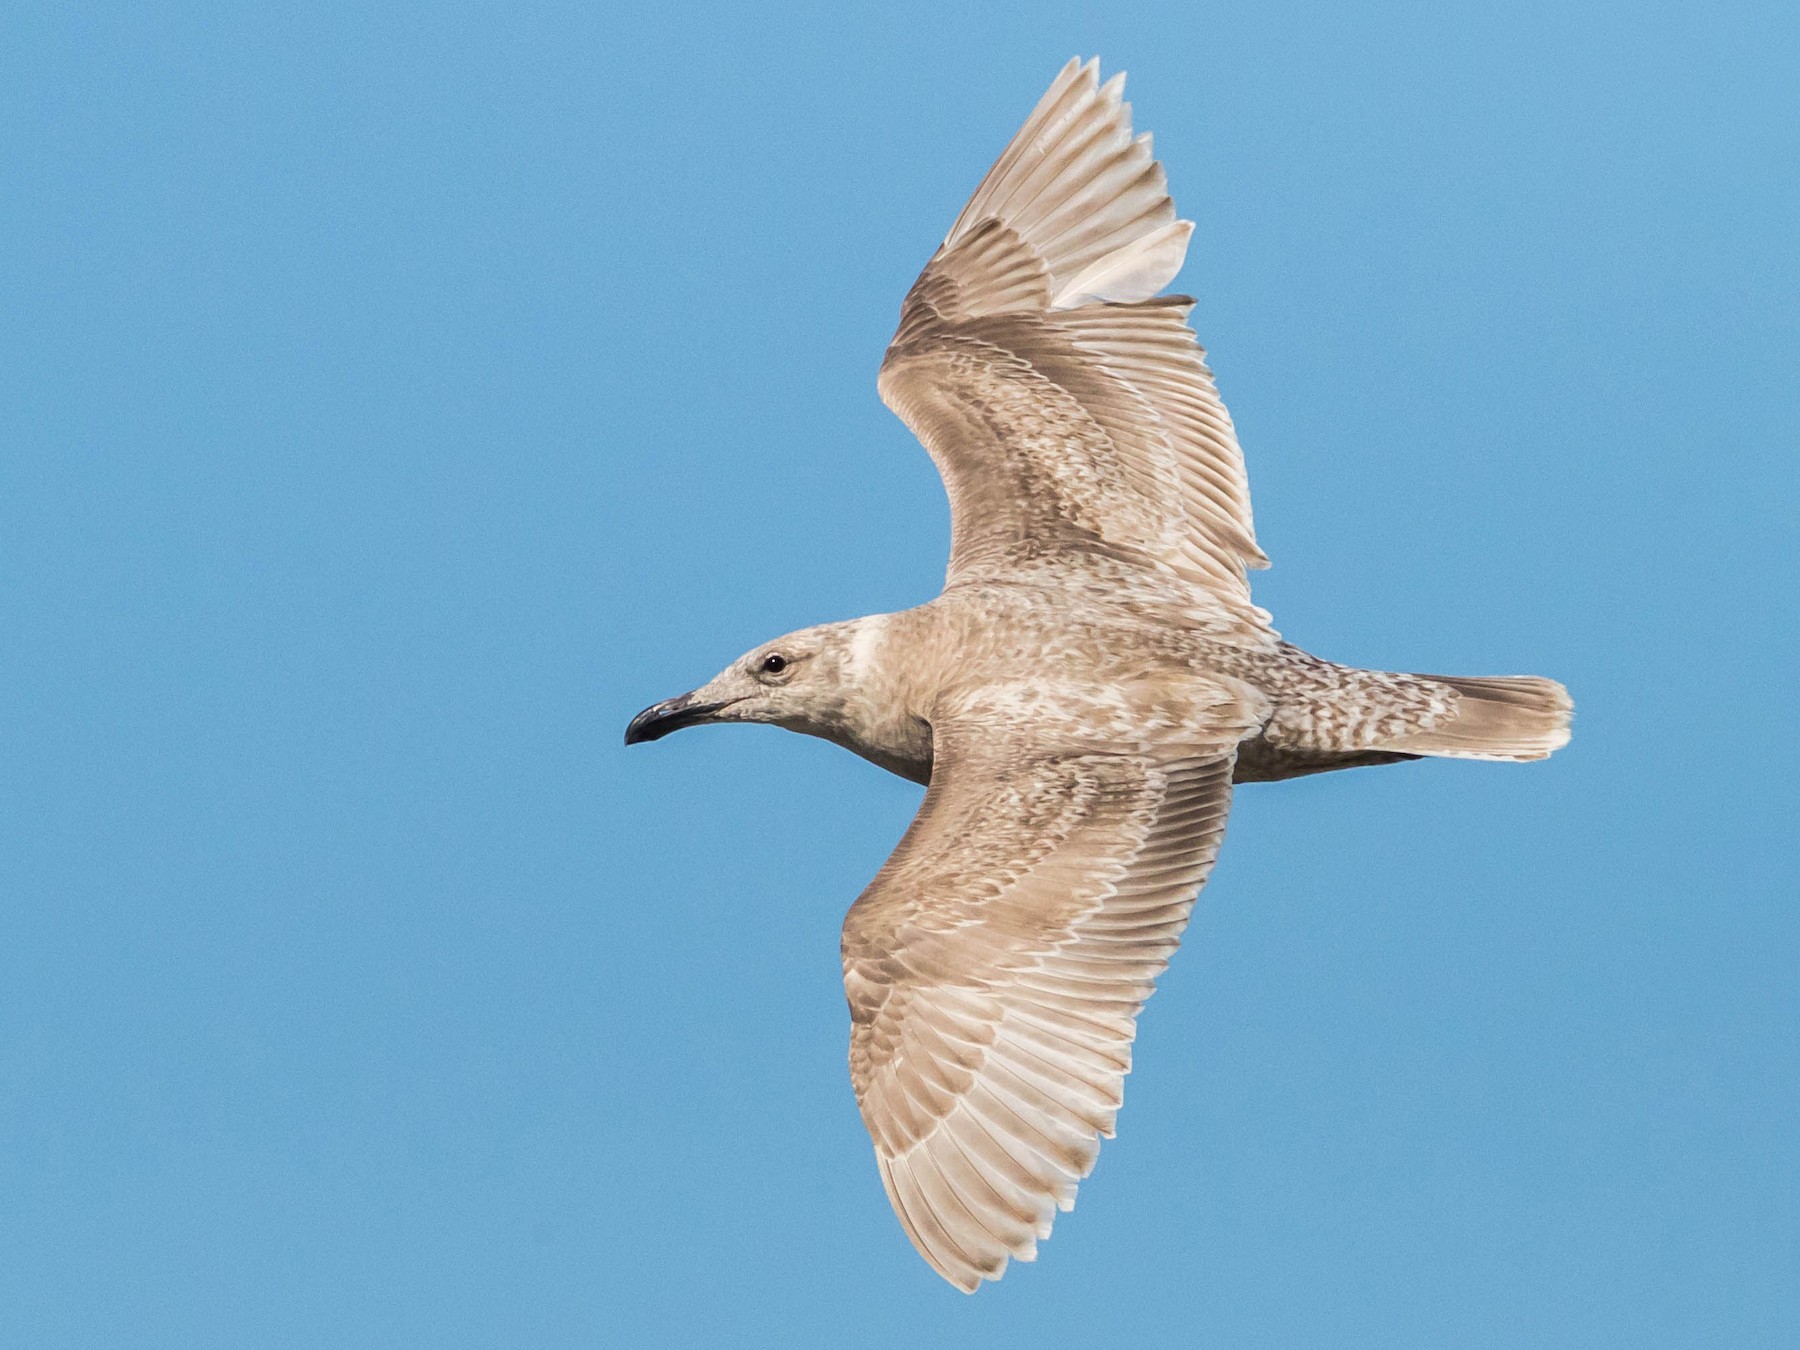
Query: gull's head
[(804, 681)]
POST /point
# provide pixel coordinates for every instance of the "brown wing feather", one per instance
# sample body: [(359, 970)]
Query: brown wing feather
[(1069, 411), (995, 968)]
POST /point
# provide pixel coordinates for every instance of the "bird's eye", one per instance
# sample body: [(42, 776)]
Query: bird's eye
[(774, 663)]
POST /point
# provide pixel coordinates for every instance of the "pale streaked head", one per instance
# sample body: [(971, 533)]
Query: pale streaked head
[(802, 681)]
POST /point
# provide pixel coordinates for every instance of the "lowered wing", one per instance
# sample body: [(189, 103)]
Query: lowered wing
[(996, 965)]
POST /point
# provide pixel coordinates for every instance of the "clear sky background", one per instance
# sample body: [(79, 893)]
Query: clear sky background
[(393, 403)]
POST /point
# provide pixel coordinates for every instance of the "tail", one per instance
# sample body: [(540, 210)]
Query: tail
[(1514, 717)]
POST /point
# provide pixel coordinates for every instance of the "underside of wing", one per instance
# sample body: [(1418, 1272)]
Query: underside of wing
[(1066, 404), (995, 969)]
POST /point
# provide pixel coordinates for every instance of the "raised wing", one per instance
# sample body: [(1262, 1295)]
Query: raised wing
[(1066, 405), (995, 968)]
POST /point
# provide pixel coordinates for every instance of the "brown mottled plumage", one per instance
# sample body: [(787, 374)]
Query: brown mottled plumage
[(1080, 698)]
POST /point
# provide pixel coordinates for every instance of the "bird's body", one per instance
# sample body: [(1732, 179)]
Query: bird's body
[(1080, 698), (1111, 668)]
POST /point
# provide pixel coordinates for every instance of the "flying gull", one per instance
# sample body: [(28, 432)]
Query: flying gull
[(1081, 697)]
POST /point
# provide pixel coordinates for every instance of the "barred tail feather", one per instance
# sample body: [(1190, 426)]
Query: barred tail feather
[(1507, 717)]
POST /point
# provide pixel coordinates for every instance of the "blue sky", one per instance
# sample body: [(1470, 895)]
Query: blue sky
[(391, 404)]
